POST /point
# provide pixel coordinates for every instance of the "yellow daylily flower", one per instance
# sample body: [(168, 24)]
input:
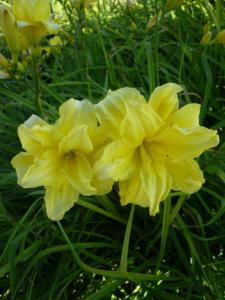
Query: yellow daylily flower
[(58, 157), (151, 145), (33, 18), (15, 40)]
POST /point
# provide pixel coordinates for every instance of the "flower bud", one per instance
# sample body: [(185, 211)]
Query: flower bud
[(220, 38)]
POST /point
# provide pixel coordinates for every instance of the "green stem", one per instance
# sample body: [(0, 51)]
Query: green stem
[(125, 249), (165, 228), (112, 274), (211, 13), (219, 10), (36, 54), (36, 74)]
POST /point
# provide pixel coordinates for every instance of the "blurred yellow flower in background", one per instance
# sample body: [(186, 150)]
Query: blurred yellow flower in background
[(33, 18), (151, 145), (172, 4), (220, 37), (15, 40), (58, 157), (206, 38)]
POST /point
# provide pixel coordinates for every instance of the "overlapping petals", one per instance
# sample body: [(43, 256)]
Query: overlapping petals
[(152, 145), (25, 22), (58, 157), (147, 147)]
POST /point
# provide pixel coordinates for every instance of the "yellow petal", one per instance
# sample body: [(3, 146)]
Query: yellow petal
[(131, 191), (156, 181), (175, 142), (58, 200), (45, 171), (132, 129), (149, 186), (118, 162), (186, 175), (22, 162), (111, 110), (74, 113), (102, 186), (36, 135), (16, 42), (150, 120), (32, 32), (79, 173), (164, 100), (76, 140), (186, 117), (32, 11)]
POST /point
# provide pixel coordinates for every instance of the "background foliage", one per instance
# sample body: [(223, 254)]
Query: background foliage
[(181, 249)]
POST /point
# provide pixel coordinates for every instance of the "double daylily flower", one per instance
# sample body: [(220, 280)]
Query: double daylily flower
[(59, 157), (148, 148)]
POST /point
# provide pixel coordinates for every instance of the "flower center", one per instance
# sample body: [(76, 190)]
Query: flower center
[(69, 155)]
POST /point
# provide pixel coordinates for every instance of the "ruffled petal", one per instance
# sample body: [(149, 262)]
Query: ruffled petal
[(22, 162), (186, 117), (180, 143), (58, 200), (111, 110), (45, 171), (36, 135), (76, 140), (150, 120), (147, 188), (132, 129), (79, 173), (131, 191), (164, 100), (187, 176), (156, 181), (74, 113), (118, 162)]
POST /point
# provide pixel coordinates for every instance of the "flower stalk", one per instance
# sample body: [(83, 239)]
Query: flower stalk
[(37, 80), (125, 249)]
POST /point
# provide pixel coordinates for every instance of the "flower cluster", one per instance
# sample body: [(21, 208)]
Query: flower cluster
[(148, 148)]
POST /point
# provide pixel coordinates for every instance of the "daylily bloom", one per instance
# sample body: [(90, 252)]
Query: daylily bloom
[(151, 145), (33, 18), (59, 157)]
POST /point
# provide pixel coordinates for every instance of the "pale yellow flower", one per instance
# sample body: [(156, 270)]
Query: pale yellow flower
[(15, 40), (33, 18), (59, 157), (151, 145)]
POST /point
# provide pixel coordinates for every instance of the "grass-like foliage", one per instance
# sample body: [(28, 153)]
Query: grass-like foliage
[(101, 250)]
